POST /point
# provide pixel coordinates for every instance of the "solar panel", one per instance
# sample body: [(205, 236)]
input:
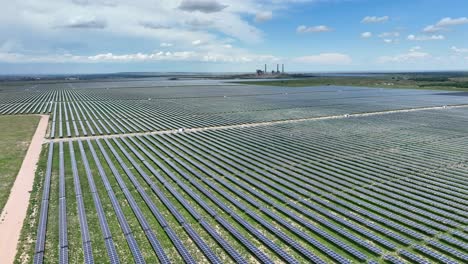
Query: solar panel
[(454, 241), (180, 247), (38, 258), (137, 256), (413, 257), (63, 255), (88, 253), (157, 247), (111, 251), (42, 225), (451, 251), (81, 209), (439, 257), (393, 259)]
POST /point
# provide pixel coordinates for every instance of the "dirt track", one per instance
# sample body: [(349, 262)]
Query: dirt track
[(14, 213)]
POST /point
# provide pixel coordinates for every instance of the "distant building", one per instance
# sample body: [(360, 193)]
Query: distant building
[(273, 72)]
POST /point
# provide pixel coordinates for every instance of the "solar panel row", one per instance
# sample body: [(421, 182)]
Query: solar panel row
[(63, 227), (382, 193), (136, 253), (85, 238), (42, 225)]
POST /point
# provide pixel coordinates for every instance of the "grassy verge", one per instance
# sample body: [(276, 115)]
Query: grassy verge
[(15, 135)]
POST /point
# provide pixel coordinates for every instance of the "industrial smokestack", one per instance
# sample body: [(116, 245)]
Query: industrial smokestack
[(265, 69), (282, 68), (277, 67)]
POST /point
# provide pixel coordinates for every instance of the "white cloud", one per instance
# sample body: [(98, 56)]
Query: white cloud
[(390, 37), (83, 22), (94, 2), (445, 23), (137, 20), (313, 29), (406, 57), (413, 55), (459, 50), (448, 21), (153, 25), (433, 29), (263, 16), (366, 35), (393, 34), (374, 19), (204, 6), (197, 42), (200, 23), (325, 59), (108, 57), (425, 37), (166, 45), (235, 56)]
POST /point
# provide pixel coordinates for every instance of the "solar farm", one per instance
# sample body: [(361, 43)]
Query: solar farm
[(150, 171)]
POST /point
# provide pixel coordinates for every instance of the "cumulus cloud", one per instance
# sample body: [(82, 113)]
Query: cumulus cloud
[(374, 19), (199, 23), (153, 25), (459, 50), (263, 16), (94, 2), (204, 6), (325, 59), (81, 22), (425, 37), (107, 57), (445, 23), (406, 57), (189, 56), (413, 55), (166, 45), (366, 35), (393, 34), (138, 21), (433, 29), (313, 29), (390, 37), (448, 21), (197, 42)]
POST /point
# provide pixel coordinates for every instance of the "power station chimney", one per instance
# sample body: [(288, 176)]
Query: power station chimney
[(282, 68), (277, 68), (265, 69)]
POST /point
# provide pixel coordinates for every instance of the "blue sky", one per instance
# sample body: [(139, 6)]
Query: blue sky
[(86, 36)]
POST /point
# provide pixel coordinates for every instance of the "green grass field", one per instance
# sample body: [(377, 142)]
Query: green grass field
[(445, 84), (15, 135)]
